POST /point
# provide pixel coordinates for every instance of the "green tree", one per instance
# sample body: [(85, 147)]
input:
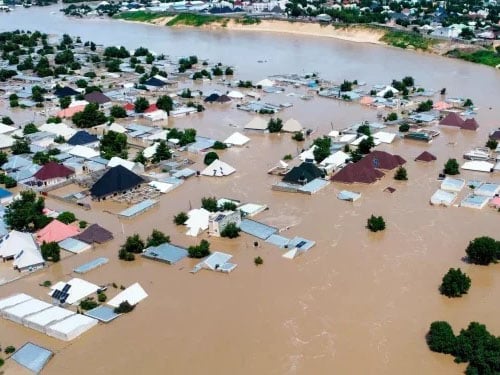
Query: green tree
[(467, 33), (376, 223), (124, 308), (118, 112), (392, 116), (322, 149), (9, 182), (365, 146), (298, 136), (403, 128), (209, 204), (181, 218), (26, 214), (6, 120), (231, 231), (483, 250), (275, 125), (162, 152), (218, 145), (30, 129), (66, 217), (229, 71), (88, 304), (401, 174), (140, 158), (81, 83), (346, 86), (9, 349), (258, 261), (210, 157), (141, 104), (51, 251), (492, 144), (157, 238), (451, 167), (113, 144), (455, 283), (425, 106), (228, 206), (101, 297), (133, 244), (364, 129), (441, 338), (165, 102), (199, 251), (3, 158), (89, 117), (20, 146), (468, 103)]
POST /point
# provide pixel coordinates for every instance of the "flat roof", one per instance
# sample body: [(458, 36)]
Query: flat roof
[(257, 229), (138, 208), (166, 253), (32, 356), (84, 268), (104, 314)]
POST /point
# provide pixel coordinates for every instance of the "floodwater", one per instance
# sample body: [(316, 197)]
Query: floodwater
[(357, 303)]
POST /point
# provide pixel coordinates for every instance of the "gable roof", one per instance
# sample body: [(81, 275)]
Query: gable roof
[(115, 180), (95, 233), (62, 92), (357, 173), (425, 156), (212, 98), (56, 231), (53, 170), (452, 119), (14, 242), (382, 160), (154, 82), (305, 172), (218, 168), (81, 138), (495, 135), (97, 97), (470, 124)]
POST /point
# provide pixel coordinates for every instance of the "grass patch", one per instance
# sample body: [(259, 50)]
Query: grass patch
[(404, 40), (190, 19), (485, 56), (141, 16), (245, 20)]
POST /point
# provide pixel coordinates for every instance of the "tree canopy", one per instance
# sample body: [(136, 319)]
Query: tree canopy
[(483, 250), (455, 283), (89, 117), (209, 204), (451, 167), (51, 251), (113, 144), (210, 157), (275, 125), (199, 251), (26, 214), (157, 238), (376, 223)]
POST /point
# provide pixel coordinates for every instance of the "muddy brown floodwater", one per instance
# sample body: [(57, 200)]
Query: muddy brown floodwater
[(357, 303)]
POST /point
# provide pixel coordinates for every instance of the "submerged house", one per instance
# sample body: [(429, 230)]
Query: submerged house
[(218, 221), (454, 120), (21, 248), (116, 180), (56, 231), (304, 173), (52, 174)]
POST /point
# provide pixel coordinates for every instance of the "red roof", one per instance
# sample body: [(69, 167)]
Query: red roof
[(425, 156), (382, 160), (470, 124), (357, 173), (151, 108), (129, 107), (452, 119), (53, 170), (56, 231)]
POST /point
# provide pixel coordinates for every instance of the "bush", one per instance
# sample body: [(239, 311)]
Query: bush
[(258, 261), (451, 167), (210, 157), (376, 223), (392, 116), (298, 136), (9, 349), (231, 231), (288, 157), (118, 112), (82, 224), (218, 145), (101, 297), (209, 204), (1, 362), (9, 182), (6, 120), (455, 283), (275, 125), (157, 238), (124, 307), (441, 338), (47, 283), (492, 144), (483, 250), (180, 218), (401, 174), (403, 128), (199, 251), (133, 244), (88, 304), (66, 217), (51, 251), (228, 206)]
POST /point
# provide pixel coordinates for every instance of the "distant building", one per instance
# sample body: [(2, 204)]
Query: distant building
[(218, 221)]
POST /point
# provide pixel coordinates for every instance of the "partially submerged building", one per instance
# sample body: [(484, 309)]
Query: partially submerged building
[(115, 181)]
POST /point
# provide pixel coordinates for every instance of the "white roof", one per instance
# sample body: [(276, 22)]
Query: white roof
[(257, 123), (6, 128), (13, 300), (14, 242), (6, 141), (478, 166), (347, 138), (307, 154), (237, 139), (162, 134), (47, 317), (334, 133), (216, 259), (337, 159), (197, 221), (236, 95), (384, 137), (381, 93), (133, 294), (292, 126), (441, 197), (31, 306), (218, 168), (78, 291), (357, 141), (150, 151), (291, 254), (71, 327), (157, 115), (162, 187), (117, 128), (58, 129), (78, 102), (28, 257), (265, 83), (115, 160), (83, 152)]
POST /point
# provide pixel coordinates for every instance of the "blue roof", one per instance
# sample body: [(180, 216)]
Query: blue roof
[(166, 252), (73, 245), (301, 243), (82, 138), (200, 144), (314, 186), (278, 240), (5, 193), (15, 162), (103, 313), (84, 268), (32, 356), (138, 208), (256, 229)]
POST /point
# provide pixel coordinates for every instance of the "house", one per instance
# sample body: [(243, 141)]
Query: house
[(52, 174), (218, 168), (130, 165), (292, 126), (166, 252), (95, 234), (97, 97), (257, 123), (22, 248), (382, 160), (454, 120), (82, 138), (425, 157), (218, 221), (72, 292), (237, 139), (133, 295), (217, 261), (62, 92), (116, 180), (357, 173), (56, 231), (335, 161), (304, 173)]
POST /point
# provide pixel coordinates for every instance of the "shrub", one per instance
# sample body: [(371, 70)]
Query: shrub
[(451, 167), (180, 218), (218, 145), (392, 116), (101, 297), (228, 206), (288, 157), (210, 157), (492, 144), (9, 182), (82, 224), (376, 223), (124, 307), (88, 304), (6, 120), (199, 251), (51, 251), (298, 136), (47, 283), (275, 125), (403, 128), (157, 238), (231, 231), (209, 204), (258, 261), (66, 217), (9, 349), (455, 283), (126, 256), (441, 338), (483, 250), (468, 103), (401, 174)]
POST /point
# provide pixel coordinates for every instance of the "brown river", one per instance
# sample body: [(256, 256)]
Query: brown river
[(358, 302)]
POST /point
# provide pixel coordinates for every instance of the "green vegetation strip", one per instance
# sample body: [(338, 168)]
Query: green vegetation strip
[(487, 56), (190, 19), (404, 40), (141, 16)]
